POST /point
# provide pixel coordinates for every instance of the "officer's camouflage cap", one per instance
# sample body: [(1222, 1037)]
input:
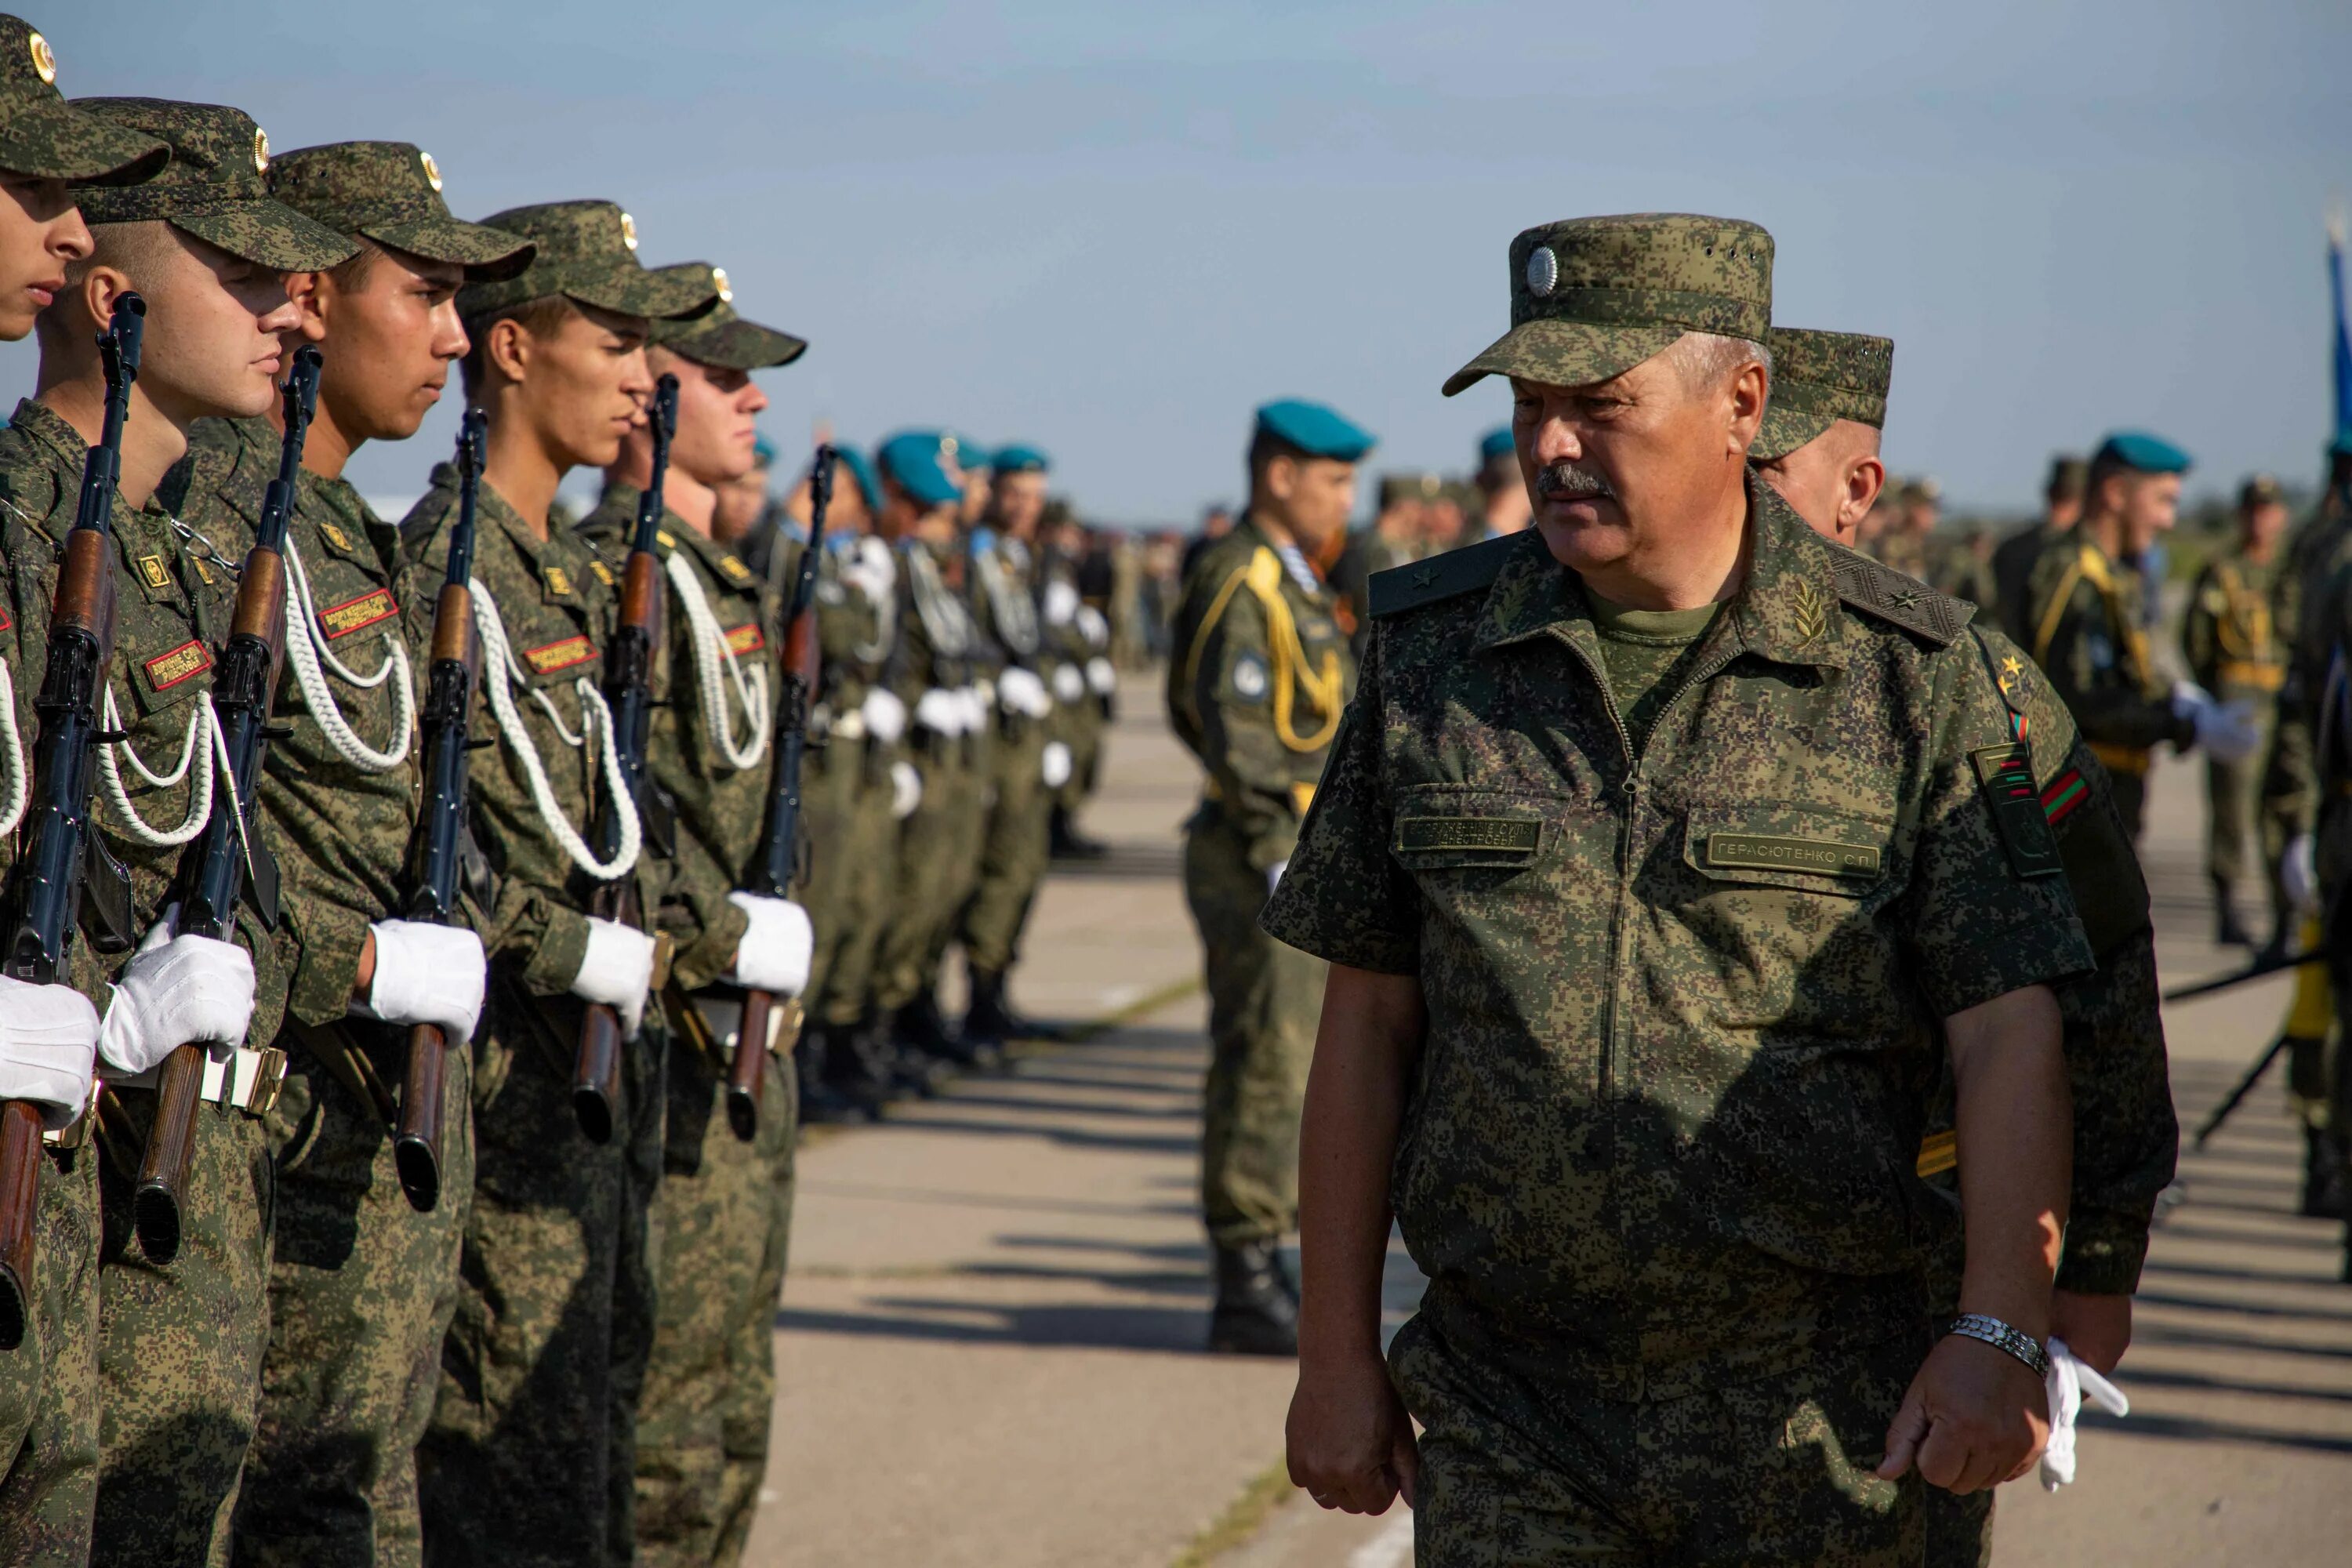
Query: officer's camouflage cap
[(1818, 379), (46, 138), (719, 336), (587, 252), (2069, 477), (389, 192), (1593, 297), (1394, 490), (217, 186), (2259, 490)]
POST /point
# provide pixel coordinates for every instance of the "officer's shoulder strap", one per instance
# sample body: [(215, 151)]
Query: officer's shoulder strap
[(1443, 576), (1883, 593)]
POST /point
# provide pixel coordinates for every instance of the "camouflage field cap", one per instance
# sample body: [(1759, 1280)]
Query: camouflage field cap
[(43, 137), (217, 185), (587, 252), (2070, 476), (1593, 297), (1818, 379), (389, 192), (719, 336)]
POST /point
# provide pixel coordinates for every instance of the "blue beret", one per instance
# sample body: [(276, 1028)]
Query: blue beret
[(2140, 450), (1496, 443), (860, 473), (1017, 459), (1318, 431), (913, 461), (962, 451), (763, 451)]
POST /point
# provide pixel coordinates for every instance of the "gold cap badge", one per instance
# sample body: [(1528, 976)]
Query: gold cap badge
[(45, 63), (432, 170), (628, 231), (261, 151), (718, 282)]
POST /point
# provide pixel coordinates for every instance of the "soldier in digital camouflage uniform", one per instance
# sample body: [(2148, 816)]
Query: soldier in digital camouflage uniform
[(1818, 448), (179, 1341), (1667, 1211), (724, 1206), (1258, 672), (360, 1283), (528, 1455), (48, 1033)]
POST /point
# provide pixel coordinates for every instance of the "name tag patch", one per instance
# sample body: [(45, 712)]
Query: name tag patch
[(1780, 852), (166, 670), (1511, 834), (549, 658), (341, 620), (747, 638), (2005, 773)]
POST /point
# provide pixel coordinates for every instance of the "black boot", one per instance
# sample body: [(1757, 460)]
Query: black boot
[(2229, 931), (921, 1027), (1257, 1306), (857, 1066), (1069, 844), (2325, 1194), (821, 1103), (990, 1024)]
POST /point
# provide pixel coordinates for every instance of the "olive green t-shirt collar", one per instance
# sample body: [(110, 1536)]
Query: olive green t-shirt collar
[(1624, 622)]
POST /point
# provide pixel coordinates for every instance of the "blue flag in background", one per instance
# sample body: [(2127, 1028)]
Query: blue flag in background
[(2342, 439)]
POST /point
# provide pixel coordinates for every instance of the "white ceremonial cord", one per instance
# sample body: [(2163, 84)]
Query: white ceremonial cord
[(19, 790), (712, 654), (203, 722), (307, 645), (501, 672)]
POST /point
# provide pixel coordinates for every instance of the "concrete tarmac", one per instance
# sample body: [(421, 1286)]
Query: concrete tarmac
[(989, 1340)]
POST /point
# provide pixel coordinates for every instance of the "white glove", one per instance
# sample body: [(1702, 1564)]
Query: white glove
[(886, 716), (941, 711), (2067, 1382), (1274, 876), (48, 1048), (871, 570), (1092, 627), (1101, 677), (975, 709), (175, 990), (1061, 603), (906, 790), (1021, 692), (1070, 682), (1053, 767), (2227, 730), (777, 946), (427, 973), (2299, 873), (617, 970)]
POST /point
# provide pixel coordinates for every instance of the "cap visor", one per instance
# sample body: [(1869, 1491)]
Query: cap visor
[(669, 294), (268, 233), (488, 255), (1784, 430), (58, 142), (736, 346), (1565, 353)]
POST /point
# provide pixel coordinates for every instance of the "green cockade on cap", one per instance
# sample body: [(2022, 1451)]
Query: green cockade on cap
[(44, 137), (389, 192), (1593, 297), (587, 252), (1818, 379), (216, 187)]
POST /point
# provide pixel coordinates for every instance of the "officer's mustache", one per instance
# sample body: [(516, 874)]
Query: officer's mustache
[(1566, 481)]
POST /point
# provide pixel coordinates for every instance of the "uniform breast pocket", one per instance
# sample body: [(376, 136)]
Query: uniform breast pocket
[(1508, 870), (1789, 903)]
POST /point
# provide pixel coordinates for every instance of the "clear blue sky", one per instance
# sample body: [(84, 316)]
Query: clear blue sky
[(1113, 235)]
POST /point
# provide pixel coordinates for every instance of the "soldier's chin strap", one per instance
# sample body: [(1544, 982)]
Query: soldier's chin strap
[(501, 672), (12, 756), (203, 745), (715, 656), (308, 650)]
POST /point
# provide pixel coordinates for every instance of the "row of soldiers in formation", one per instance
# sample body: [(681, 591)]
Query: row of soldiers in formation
[(564, 1357)]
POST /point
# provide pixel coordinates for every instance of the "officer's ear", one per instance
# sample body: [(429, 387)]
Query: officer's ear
[(1278, 477), (1865, 477)]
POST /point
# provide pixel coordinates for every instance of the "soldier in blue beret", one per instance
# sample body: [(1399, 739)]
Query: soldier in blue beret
[(1504, 507), (1259, 672)]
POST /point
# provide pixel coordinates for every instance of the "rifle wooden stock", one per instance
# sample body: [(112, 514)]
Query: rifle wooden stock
[(596, 1073), (416, 1145), (20, 1191), (171, 1147)]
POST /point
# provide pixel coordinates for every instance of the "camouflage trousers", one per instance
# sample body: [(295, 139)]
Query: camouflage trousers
[(934, 848), (1080, 726), (968, 837), (49, 1383), (528, 1458), (180, 1346), (362, 1288), (1775, 1469), (867, 856), (1013, 852), (724, 1214), (1264, 999), (2241, 838), (831, 776)]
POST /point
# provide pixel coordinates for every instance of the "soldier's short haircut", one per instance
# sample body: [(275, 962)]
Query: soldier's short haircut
[(351, 276), (1703, 359), (135, 248), (542, 317)]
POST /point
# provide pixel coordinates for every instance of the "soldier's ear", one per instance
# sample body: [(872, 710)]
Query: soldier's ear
[(1749, 389), (507, 344), (312, 293)]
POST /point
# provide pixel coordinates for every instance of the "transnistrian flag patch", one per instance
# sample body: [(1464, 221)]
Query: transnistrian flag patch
[(2006, 775), (166, 670), (747, 638), (549, 658), (341, 620), (1512, 835)]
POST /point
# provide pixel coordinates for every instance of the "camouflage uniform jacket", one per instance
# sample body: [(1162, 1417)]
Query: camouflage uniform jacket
[(938, 648), (172, 612), (1258, 675), (558, 615), (1682, 1007), (2087, 638), (720, 809), (855, 635), (2290, 776), (2227, 636), (343, 832)]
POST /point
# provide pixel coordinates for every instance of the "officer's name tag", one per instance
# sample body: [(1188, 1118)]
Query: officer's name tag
[(352, 615), (1779, 852), (549, 658), (1511, 834)]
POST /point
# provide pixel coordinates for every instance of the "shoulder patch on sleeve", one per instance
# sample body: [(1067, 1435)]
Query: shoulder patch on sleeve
[(1442, 576), (2005, 774), (1886, 594)]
